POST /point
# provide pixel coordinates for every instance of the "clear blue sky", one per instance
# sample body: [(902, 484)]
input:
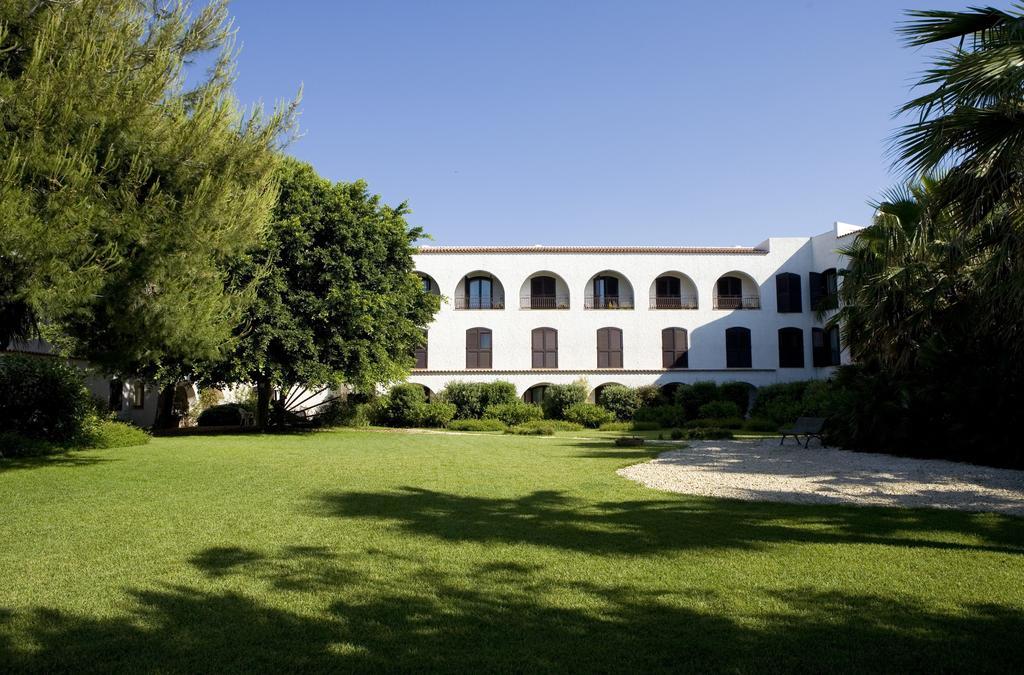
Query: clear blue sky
[(522, 122)]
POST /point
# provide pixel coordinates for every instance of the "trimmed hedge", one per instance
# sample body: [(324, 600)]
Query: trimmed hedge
[(718, 409), (558, 398), (619, 400), (486, 424), (223, 415), (516, 412), (588, 415)]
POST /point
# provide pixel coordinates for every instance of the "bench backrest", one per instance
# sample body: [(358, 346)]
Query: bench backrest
[(809, 425)]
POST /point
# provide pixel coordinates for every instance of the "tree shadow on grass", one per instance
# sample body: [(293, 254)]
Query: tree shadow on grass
[(561, 521), (63, 459), (505, 617)]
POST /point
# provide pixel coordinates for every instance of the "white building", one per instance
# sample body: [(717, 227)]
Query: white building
[(632, 315)]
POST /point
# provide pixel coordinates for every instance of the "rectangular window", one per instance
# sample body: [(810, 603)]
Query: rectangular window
[(674, 350), (820, 351), (138, 395), (609, 348), (479, 293), (788, 293), (791, 348), (545, 348), (478, 348), (834, 350), (116, 399), (421, 354), (737, 348)]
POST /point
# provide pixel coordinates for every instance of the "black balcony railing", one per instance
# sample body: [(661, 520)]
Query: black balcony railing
[(608, 302), (544, 302), (497, 302), (674, 302), (737, 302)]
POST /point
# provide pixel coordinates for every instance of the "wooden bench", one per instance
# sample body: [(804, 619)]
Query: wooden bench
[(809, 427)]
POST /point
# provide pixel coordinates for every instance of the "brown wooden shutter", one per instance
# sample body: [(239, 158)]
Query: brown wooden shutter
[(544, 348), (737, 348), (473, 348), (674, 350), (421, 353), (791, 348), (609, 348)]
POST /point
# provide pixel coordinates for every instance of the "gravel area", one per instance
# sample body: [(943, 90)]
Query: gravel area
[(764, 471)]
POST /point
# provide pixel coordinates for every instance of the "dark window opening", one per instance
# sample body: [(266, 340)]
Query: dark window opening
[(788, 292), (737, 348), (421, 353), (791, 348)]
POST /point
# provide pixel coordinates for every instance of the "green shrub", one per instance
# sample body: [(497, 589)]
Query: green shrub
[(557, 425), (718, 409), (13, 444), (558, 398), (677, 434), (223, 415), (759, 424), (588, 415), (708, 434), (664, 416), (720, 422), (513, 413), (486, 424), (738, 393), (616, 426), (498, 392), (111, 434), (540, 429), (630, 441), (692, 396), (42, 398), (780, 403), (644, 426), (621, 401), (435, 414), (354, 411), (648, 395), (467, 398), (401, 407)]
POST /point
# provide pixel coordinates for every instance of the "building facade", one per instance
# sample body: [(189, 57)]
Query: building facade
[(632, 315)]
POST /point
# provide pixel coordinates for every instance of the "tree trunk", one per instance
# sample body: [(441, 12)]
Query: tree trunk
[(165, 408), (263, 404)]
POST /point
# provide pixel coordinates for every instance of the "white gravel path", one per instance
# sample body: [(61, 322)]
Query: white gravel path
[(764, 471)]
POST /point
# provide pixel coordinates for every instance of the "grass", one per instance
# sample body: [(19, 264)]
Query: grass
[(374, 550)]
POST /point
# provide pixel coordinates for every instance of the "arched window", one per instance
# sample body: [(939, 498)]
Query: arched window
[(478, 348), (674, 348), (788, 293), (535, 394), (421, 353), (737, 348), (609, 348), (479, 293), (545, 347), (791, 348)]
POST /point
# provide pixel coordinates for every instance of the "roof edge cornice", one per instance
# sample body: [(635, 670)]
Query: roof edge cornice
[(643, 250)]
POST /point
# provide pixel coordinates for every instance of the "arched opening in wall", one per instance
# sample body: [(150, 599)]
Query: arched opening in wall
[(608, 290), (429, 285), (673, 290), (544, 290), (427, 393), (535, 394), (479, 290), (184, 398), (595, 394), (737, 290), (668, 392)]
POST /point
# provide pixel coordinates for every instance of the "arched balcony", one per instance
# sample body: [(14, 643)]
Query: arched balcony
[(737, 290), (544, 290), (673, 290), (608, 290), (479, 290), (429, 285)]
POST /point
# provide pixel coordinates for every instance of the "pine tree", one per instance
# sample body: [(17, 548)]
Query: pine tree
[(128, 179)]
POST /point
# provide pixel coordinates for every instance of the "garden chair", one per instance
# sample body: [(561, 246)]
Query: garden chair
[(809, 427)]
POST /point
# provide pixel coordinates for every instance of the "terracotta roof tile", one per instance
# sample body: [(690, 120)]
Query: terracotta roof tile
[(675, 250)]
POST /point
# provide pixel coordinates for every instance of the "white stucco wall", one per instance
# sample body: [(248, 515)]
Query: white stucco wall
[(641, 326)]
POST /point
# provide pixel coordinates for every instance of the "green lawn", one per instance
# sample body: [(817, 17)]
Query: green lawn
[(368, 550)]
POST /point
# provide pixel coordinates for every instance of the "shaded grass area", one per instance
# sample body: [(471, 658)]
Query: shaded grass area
[(367, 550)]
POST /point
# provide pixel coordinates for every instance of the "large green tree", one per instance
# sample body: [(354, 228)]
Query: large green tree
[(128, 178), (337, 300)]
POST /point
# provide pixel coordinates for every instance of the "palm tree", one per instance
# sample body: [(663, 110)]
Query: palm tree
[(970, 126)]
